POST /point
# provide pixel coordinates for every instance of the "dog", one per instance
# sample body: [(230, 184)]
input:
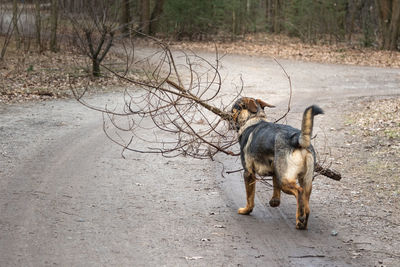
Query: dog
[(277, 150)]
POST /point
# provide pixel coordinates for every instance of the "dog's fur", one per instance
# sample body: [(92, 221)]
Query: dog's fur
[(277, 150)]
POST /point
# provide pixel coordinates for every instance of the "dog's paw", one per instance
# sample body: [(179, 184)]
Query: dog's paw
[(274, 202), (301, 226), (245, 211), (301, 223)]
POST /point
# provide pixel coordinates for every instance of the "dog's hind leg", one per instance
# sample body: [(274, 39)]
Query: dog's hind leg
[(306, 183), (289, 186), (250, 184), (276, 195), (303, 210)]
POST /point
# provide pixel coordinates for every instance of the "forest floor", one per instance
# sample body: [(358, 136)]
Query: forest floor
[(284, 47)]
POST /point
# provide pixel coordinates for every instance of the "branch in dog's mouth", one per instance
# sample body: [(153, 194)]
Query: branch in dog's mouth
[(176, 93)]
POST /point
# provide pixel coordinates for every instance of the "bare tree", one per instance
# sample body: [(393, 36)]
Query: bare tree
[(95, 28), (389, 16), (155, 16), (38, 25), (276, 20), (10, 28), (125, 16), (144, 26), (15, 22), (53, 26)]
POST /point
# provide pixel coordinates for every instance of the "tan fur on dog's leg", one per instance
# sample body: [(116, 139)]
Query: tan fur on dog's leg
[(290, 187), (306, 183), (301, 215), (250, 184)]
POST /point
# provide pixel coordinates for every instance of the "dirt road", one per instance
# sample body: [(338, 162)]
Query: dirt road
[(68, 198)]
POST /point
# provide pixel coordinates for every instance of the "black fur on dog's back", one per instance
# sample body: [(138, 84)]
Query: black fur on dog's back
[(263, 138), (265, 133)]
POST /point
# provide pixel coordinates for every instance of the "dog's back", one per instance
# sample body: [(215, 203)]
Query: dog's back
[(263, 133), (260, 142)]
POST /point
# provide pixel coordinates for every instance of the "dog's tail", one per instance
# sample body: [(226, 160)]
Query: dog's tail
[(307, 125)]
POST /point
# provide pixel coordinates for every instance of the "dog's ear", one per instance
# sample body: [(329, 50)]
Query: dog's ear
[(251, 105), (264, 104)]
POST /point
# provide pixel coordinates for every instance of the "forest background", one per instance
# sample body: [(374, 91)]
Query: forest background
[(40, 38)]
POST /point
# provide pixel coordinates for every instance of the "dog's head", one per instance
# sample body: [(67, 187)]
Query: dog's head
[(245, 108)]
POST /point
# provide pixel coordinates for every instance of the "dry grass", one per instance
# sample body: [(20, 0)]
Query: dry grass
[(378, 118)]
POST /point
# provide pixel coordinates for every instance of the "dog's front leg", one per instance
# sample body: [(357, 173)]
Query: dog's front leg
[(250, 184)]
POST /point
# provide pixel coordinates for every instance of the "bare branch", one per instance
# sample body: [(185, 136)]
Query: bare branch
[(176, 95), (290, 91)]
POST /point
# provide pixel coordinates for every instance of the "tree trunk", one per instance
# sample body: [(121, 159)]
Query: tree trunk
[(276, 16), (15, 18), (268, 14), (98, 53), (145, 16), (53, 22), (7, 39), (354, 9), (155, 16), (38, 25), (389, 16), (234, 30), (394, 25), (95, 67), (69, 6), (125, 17)]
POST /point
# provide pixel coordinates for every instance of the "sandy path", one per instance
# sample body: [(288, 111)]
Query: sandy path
[(68, 198)]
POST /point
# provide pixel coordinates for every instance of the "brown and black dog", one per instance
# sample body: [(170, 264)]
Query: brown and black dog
[(277, 150)]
